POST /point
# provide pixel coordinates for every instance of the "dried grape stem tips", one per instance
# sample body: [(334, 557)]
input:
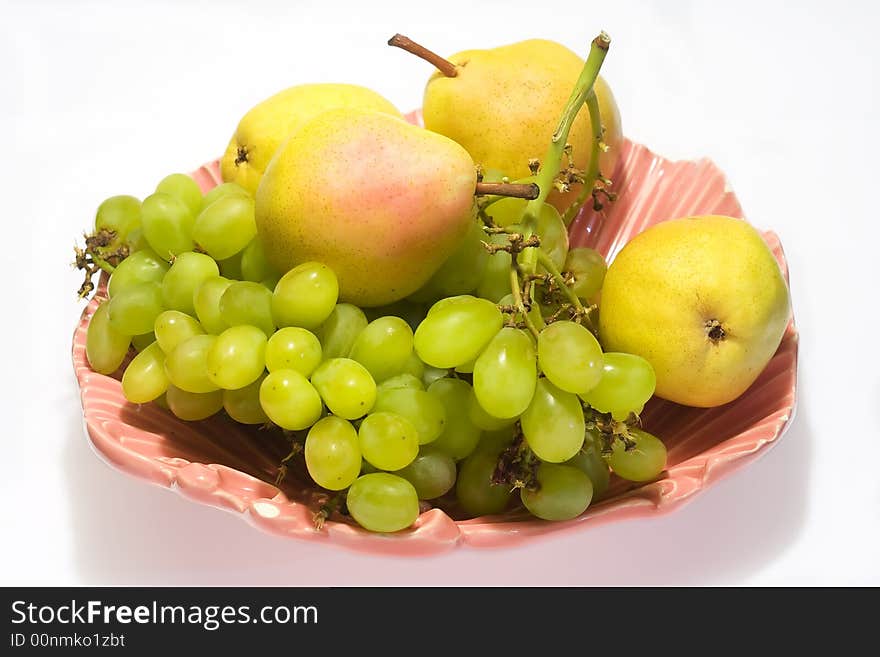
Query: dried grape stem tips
[(528, 191), (446, 67)]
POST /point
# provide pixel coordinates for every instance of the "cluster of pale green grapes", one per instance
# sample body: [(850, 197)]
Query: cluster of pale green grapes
[(438, 396)]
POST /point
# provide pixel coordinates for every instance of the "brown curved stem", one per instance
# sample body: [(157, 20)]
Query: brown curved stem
[(446, 67), (527, 191)]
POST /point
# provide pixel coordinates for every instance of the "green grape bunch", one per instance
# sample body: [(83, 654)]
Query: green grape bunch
[(458, 402)]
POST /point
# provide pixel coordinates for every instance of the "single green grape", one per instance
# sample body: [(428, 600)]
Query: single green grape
[(346, 387), (333, 453), (243, 404), (290, 400), (589, 461), (221, 191), (588, 268), (382, 502), (384, 347), (474, 489), (226, 227), (570, 356), (133, 311), (167, 225), (495, 282), (305, 296), (142, 341), (246, 302), (339, 331), (106, 347), (553, 424), (461, 272), (121, 215), (456, 330), (432, 473), (460, 436), (424, 411), (173, 327), (193, 406), (188, 271), (478, 416), (187, 365), (627, 382), (237, 357), (388, 441), (254, 264), (293, 348), (183, 188), (144, 379), (505, 374), (206, 301), (563, 493), (143, 266), (643, 462)]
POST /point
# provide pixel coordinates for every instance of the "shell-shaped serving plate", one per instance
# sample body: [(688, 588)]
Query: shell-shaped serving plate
[(221, 464)]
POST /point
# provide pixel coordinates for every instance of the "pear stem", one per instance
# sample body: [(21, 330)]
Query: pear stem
[(512, 190), (552, 161), (592, 173), (446, 67)]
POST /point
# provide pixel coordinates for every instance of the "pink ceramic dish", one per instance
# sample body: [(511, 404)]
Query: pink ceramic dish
[(217, 463)]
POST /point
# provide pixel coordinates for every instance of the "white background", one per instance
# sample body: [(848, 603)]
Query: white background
[(103, 98)]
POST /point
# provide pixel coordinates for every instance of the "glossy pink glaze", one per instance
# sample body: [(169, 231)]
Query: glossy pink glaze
[(225, 465)]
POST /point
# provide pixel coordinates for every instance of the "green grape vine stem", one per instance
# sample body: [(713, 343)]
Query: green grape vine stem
[(553, 159), (582, 93), (592, 175), (525, 310), (547, 263)]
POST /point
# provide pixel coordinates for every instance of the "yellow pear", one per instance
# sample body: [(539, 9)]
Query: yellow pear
[(267, 125), (703, 300), (504, 104), (381, 202)]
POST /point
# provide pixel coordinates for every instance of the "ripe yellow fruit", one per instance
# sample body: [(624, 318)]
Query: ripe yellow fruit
[(703, 300), (267, 125), (381, 202), (504, 104)]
